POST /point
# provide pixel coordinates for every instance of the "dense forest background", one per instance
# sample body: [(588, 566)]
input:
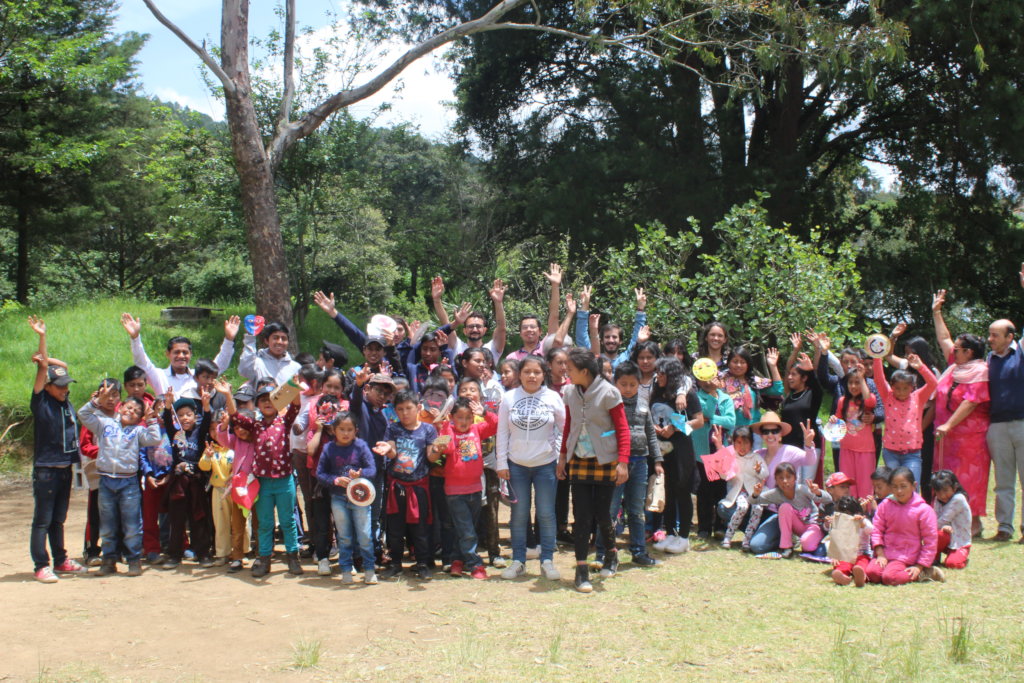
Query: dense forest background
[(732, 182)]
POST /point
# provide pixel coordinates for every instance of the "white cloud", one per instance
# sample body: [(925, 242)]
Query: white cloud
[(209, 105)]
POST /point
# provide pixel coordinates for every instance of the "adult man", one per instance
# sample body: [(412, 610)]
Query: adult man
[(608, 340), (1006, 427), (475, 322), (178, 375)]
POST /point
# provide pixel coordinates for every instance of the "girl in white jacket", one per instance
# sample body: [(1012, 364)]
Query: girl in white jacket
[(748, 470)]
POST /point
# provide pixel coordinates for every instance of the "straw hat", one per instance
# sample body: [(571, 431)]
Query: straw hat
[(771, 419)]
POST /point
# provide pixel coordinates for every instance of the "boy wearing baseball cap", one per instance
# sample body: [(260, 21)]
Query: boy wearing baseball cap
[(55, 450)]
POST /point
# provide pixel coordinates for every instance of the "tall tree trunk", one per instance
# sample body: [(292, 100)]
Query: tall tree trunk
[(21, 279), (259, 203)]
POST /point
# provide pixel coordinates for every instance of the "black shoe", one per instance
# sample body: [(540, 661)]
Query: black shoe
[(582, 581), (135, 567), (235, 566), (170, 563), (294, 566), (423, 572), (391, 571), (610, 564), (108, 567), (206, 562), (306, 552), (645, 560), (261, 567), (703, 535), (564, 537)]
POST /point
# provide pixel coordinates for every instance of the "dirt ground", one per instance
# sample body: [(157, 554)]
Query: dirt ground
[(204, 624)]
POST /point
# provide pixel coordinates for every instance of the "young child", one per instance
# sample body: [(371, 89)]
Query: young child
[(405, 446), (219, 461), (904, 408), (435, 407), (751, 470), (271, 362), (509, 371), (718, 409), (240, 441), (953, 517), (796, 508), (344, 458), (55, 449), (880, 490), (905, 539), (857, 455), (120, 498), (155, 465), (188, 503), (643, 448), (487, 528), (463, 476), (842, 572), (272, 465), (108, 402), (326, 409)]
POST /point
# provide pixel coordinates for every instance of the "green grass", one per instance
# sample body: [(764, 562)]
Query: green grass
[(306, 653)]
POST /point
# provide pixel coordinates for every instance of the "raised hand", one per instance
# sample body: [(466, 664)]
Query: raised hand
[(716, 437), (389, 337), (898, 330), (811, 336), (363, 376), (570, 304), (414, 327), (461, 313), (938, 299), (772, 357), (497, 292), (796, 340), (914, 361), (37, 325), (824, 343), (131, 325), (477, 408), (442, 338), (436, 287), (169, 398), (585, 295), (803, 361), (644, 334), (808, 433), (554, 275), (231, 327), (595, 319), (221, 386), (325, 302), (815, 489), (641, 298)]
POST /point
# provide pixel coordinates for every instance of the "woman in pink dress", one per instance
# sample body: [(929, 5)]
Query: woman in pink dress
[(962, 412)]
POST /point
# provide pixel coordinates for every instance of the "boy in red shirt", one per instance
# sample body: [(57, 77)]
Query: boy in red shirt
[(463, 473)]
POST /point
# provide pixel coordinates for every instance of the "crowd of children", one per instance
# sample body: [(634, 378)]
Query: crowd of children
[(409, 453)]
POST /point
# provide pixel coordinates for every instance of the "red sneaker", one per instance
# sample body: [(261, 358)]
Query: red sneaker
[(69, 566), (46, 575), (479, 572), (456, 569)]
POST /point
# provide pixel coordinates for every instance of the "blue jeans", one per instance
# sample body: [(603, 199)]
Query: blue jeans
[(279, 494), (464, 509), (911, 460), (525, 481), (121, 510), (352, 521), (51, 489), (766, 538), (634, 491)]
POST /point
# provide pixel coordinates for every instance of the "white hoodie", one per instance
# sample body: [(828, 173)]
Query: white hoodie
[(530, 427)]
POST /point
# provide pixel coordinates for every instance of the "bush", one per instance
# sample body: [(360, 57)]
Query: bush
[(222, 278)]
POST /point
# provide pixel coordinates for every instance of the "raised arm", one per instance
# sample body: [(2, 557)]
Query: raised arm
[(39, 327), (582, 318), (941, 331), (326, 304), (639, 321), (563, 327), (155, 377), (436, 292), (498, 339), (227, 347), (554, 278)]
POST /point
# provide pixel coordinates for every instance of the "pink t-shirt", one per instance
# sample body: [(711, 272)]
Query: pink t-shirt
[(903, 431), (858, 418)]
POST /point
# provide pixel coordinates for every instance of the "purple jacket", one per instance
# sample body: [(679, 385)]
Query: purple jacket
[(908, 533)]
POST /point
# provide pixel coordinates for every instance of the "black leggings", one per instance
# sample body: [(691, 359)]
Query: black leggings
[(708, 495), (678, 488), (591, 502)]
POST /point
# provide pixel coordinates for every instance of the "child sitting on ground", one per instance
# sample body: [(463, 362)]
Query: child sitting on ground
[(880, 491), (751, 470), (905, 539), (842, 572), (953, 518), (796, 508)]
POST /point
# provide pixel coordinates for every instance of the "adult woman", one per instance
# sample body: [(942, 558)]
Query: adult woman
[(803, 400), (961, 412), (672, 384), (473, 363), (745, 388), (530, 423), (713, 343), (773, 430), (646, 355), (594, 458)]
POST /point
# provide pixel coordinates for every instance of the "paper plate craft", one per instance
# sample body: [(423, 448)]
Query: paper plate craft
[(508, 494), (878, 346), (254, 324), (719, 465), (360, 492), (661, 414), (680, 422), (705, 369), (245, 488), (379, 324), (834, 431), (286, 393)]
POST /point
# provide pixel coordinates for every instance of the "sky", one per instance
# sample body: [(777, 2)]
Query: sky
[(169, 70)]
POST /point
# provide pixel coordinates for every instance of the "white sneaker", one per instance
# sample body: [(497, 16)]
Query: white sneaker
[(514, 570), (663, 543), (498, 562), (547, 567), (678, 545), (346, 577), (323, 567), (370, 578), (533, 553)]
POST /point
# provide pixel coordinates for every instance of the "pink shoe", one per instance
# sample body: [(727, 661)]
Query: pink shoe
[(46, 575), (69, 566), (658, 536), (479, 572)]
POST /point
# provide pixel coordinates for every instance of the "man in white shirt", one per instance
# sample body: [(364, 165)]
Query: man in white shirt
[(178, 375)]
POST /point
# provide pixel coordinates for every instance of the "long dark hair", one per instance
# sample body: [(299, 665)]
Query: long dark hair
[(675, 346), (649, 346), (672, 370), (702, 341), (744, 353), (946, 479)]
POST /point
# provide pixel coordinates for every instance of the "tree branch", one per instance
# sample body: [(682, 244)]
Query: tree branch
[(291, 133), (229, 86), (284, 115)]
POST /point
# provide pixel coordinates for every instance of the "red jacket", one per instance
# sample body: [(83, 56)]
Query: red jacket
[(464, 461)]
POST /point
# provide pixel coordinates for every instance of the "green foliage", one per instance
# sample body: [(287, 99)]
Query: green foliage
[(762, 282), (224, 277)]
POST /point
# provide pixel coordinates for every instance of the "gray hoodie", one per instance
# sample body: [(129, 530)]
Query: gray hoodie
[(119, 445), (529, 427)]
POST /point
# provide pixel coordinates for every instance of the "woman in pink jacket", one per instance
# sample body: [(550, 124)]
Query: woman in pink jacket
[(905, 537)]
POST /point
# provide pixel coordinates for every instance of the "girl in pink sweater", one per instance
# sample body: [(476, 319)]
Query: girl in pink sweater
[(905, 538)]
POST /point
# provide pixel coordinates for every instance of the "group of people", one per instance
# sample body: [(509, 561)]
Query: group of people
[(411, 452)]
